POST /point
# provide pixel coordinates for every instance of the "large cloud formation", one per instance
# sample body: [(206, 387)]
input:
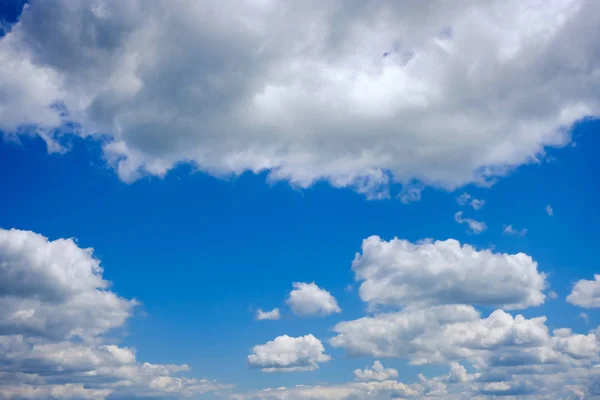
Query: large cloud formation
[(55, 308), (359, 94), (430, 290)]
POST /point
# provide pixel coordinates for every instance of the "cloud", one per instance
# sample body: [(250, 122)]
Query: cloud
[(55, 308), (509, 230), (263, 315), (307, 299), (288, 354), (376, 373), (586, 293), (475, 227), (549, 210), (466, 198), (54, 289), (584, 317), (399, 273), (303, 91)]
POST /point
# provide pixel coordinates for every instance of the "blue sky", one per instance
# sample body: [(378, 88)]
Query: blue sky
[(203, 241)]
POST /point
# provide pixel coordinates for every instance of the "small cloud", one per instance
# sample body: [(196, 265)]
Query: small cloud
[(509, 230), (463, 199), (265, 315), (584, 317), (349, 288), (549, 210), (411, 192), (552, 295), (477, 204), (466, 198), (476, 227)]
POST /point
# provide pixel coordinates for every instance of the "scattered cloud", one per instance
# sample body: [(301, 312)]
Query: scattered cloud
[(264, 315), (307, 299), (586, 293), (277, 97), (584, 317), (463, 199), (552, 295), (411, 192), (477, 204), (289, 354), (509, 230), (475, 227), (466, 198), (549, 210), (55, 308), (402, 274), (376, 373)]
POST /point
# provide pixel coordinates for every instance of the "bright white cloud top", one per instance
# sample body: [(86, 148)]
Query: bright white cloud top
[(289, 354), (264, 315), (309, 300), (376, 373), (435, 91), (586, 293), (403, 274), (54, 308)]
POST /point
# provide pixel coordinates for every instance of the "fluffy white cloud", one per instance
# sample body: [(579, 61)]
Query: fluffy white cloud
[(509, 230), (376, 373), (475, 226), (404, 274), (307, 299), (586, 293), (263, 315), (54, 288), (287, 354), (359, 95), (54, 307)]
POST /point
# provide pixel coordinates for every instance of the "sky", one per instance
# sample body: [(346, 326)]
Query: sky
[(265, 200)]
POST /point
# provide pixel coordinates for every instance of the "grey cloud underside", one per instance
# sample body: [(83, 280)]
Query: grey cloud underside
[(465, 93)]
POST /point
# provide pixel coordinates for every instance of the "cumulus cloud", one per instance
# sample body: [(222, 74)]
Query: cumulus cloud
[(263, 315), (288, 354), (404, 274), (376, 373), (549, 210), (586, 293), (360, 96), (307, 299), (475, 226), (54, 308), (509, 230)]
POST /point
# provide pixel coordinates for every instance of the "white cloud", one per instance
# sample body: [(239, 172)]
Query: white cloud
[(376, 373), (586, 293), (288, 354), (509, 230), (54, 308), (463, 199), (303, 90), (584, 317), (307, 299), (264, 315), (549, 210), (477, 204), (54, 288), (466, 198), (404, 274), (475, 227)]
